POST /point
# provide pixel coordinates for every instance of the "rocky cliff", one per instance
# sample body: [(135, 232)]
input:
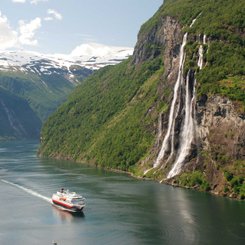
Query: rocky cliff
[(221, 133), (211, 156)]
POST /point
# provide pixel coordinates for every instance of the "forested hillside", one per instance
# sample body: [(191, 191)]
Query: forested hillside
[(42, 93)]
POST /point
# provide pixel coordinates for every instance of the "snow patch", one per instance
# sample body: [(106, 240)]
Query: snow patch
[(91, 56)]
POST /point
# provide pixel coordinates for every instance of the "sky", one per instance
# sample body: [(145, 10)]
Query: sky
[(60, 26)]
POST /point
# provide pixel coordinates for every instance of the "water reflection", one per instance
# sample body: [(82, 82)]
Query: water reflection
[(66, 216), (119, 209), (172, 216)]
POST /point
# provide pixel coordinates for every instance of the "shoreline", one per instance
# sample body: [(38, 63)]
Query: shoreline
[(230, 195)]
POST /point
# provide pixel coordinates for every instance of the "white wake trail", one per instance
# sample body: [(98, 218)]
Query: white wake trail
[(33, 193)]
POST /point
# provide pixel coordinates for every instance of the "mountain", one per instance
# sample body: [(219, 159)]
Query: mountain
[(17, 121), (174, 111), (92, 56), (44, 81)]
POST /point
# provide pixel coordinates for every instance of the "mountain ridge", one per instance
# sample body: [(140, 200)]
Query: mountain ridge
[(92, 56), (45, 80)]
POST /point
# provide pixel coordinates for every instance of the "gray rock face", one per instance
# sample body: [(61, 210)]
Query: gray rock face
[(220, 128), (164, 36)]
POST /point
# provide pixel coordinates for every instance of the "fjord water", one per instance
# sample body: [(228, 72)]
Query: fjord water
[(120, 209)]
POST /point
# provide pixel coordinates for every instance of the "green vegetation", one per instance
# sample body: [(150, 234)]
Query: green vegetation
[(236, 184), (235, 178), (218, 19), (223, 22), (107, 119), (195, 179)]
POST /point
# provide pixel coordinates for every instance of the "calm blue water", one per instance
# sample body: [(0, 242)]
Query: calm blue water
[(120, 209)]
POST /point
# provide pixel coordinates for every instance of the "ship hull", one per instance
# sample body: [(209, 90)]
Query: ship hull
[(62, 204)]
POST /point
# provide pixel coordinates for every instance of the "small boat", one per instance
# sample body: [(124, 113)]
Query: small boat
[(69, 201)]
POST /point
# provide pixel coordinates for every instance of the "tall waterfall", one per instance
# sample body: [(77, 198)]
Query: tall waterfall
[(187, 134), (184, 90), (172, 114), (188, 131)]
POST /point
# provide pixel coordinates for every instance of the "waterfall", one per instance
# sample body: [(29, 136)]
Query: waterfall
[(172, 114), (200, 53), (159, 128), (187, 134), (193, 22), (184, 90), (188, 131), (204, 39), (200, 59)]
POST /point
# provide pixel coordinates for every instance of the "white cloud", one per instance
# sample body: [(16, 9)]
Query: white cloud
[(31, 1), (24, 35), (37, 1), (8, 37), (53, 14), (27, 31), (91, 49), (100, 50), (19, 1)]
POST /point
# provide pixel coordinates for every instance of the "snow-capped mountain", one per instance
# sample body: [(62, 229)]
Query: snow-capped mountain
[(33, 85), (91, 56)]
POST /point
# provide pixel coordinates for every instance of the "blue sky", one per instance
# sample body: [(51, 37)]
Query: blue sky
[(59, 26)]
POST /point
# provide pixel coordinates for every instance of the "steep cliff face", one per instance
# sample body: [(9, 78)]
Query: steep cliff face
[(201, 144), (165, 34), (221, 129), (221, 132), (174, 111)]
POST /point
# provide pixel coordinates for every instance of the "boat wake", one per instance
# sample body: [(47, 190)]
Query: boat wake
[(33, 193)]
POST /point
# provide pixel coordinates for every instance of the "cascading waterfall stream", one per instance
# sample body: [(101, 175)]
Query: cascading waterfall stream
[(204, 39), (187, 136), (159, 128), (188, 132), (200, 60), (165, 144), (200, 53)]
